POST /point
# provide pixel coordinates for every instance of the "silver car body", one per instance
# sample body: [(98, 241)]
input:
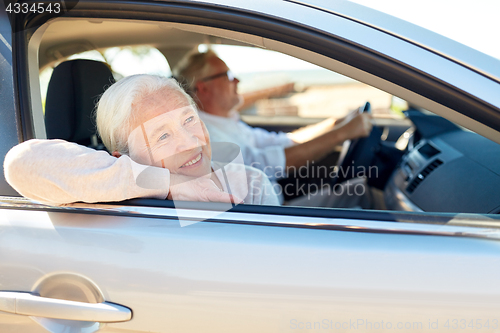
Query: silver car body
[(261, 270)]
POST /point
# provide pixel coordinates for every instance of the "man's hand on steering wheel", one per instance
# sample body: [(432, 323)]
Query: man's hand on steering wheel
[(359, 147), (355, 125)]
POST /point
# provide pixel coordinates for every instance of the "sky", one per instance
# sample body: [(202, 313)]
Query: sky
[(470, 22)]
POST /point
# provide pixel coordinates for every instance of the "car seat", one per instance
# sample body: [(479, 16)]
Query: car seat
[(74, 89)]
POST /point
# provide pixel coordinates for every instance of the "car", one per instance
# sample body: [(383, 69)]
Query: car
[(427, 261)]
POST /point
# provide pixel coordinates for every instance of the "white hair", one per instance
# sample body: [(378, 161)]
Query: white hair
[(192, 68), (114, 112)]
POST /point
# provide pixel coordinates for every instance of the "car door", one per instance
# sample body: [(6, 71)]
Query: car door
[(152, 266), (245, 272)]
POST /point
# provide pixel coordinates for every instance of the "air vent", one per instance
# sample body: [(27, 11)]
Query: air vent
[(421, 176)]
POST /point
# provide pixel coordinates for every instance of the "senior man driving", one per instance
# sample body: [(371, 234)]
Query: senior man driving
[(215, 90)]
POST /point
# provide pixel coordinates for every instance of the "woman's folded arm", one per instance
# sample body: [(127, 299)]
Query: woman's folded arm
[(59, 172)]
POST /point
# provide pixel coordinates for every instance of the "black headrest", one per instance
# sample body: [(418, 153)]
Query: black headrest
[(74, 89)]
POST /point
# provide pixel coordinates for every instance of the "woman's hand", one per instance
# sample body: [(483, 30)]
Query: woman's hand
[(187, 188)]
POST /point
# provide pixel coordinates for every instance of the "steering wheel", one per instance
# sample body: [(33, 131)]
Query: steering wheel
[(358, 154)]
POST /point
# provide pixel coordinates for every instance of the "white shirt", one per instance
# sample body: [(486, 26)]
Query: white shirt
[(261, 149), (246, 183)]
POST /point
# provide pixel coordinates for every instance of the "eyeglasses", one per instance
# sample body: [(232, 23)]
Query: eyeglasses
[(229, 74)]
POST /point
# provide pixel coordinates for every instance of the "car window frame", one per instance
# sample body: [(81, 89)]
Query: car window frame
[(482, 226), (22, 69)]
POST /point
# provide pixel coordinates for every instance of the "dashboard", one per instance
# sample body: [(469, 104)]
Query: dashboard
[(446, 169)]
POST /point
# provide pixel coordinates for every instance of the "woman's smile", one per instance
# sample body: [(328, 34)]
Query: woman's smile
[(196, 161)]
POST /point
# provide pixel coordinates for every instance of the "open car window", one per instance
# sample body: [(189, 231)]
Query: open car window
[(418, 162)]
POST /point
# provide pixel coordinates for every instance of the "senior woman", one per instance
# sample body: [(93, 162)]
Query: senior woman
[(160, 148)]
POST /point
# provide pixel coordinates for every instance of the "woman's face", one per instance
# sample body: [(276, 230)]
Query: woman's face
[(167, 132)]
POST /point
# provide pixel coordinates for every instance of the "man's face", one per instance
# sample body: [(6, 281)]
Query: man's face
[(167, 132), (222, 91)]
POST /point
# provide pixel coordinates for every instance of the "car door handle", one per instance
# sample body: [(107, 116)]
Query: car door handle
[(32, 305)]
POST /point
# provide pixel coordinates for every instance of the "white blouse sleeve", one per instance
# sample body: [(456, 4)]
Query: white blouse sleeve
[(59, 172)]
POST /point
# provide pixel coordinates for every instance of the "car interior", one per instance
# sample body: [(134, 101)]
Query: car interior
[(70, 100), (425, 162)]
